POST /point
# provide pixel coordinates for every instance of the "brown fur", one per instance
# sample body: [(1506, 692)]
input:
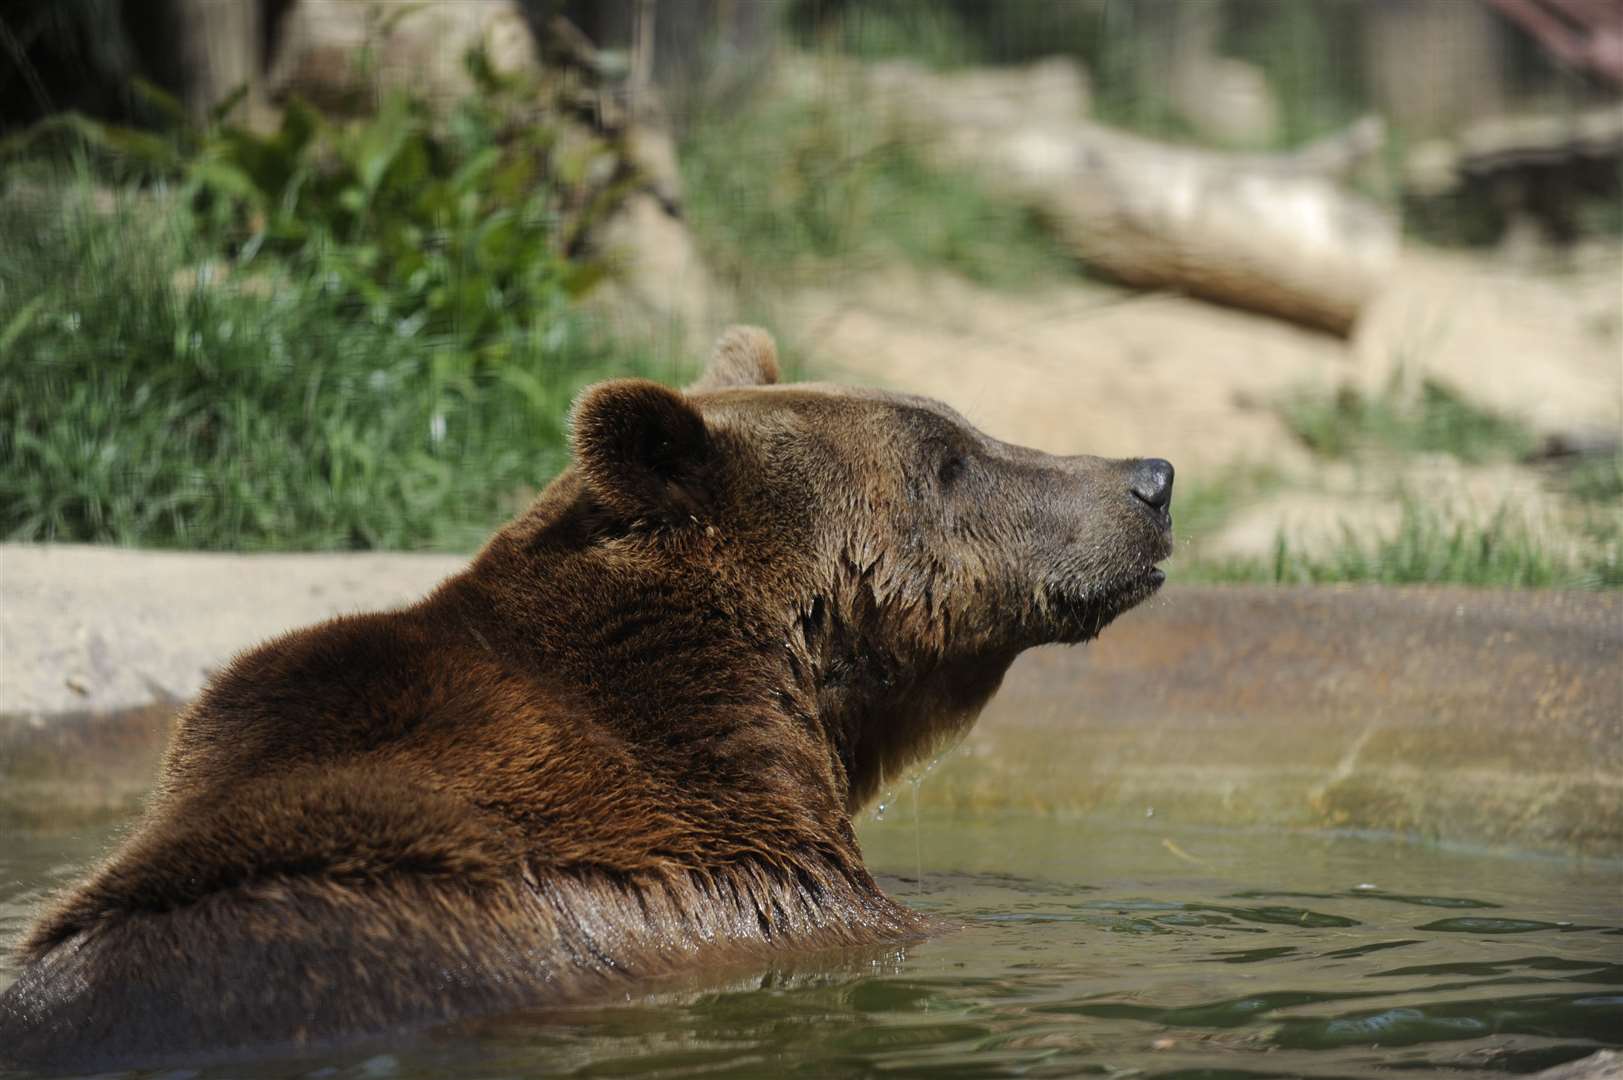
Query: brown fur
[(628, 739)]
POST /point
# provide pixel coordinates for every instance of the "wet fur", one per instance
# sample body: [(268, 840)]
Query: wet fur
[(629, 738)]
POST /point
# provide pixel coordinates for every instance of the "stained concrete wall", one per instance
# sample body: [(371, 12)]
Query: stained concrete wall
[(1466, 716), (1461, 716)]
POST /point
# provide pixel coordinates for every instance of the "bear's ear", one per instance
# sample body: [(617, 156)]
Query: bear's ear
[(642, 449), (743, 356)]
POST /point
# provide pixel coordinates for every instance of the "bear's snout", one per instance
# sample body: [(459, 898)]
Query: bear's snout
[(1151, 484)]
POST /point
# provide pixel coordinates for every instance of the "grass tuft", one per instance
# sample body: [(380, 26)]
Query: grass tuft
[(151, 394), (1432, 547), (1596, 479), (1437, 420)]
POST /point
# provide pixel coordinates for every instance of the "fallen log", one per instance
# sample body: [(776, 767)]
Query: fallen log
[(1273, 233)]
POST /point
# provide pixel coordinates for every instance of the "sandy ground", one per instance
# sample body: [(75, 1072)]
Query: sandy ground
[(1076, 368), (1082, 367)]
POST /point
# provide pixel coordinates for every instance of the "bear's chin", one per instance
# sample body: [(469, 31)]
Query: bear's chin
[(1079, 617)]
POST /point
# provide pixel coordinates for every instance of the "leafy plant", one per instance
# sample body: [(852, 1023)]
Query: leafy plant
[(343, 333), (461, 226)]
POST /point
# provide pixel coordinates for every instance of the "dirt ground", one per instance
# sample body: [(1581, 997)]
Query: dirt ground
[(1084, 367)]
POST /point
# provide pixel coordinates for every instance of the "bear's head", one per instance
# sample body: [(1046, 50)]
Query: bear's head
[(890, 557)]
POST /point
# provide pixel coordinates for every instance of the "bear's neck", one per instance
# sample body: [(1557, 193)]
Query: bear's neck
[(887, 715), (704, 673), (688, 672)]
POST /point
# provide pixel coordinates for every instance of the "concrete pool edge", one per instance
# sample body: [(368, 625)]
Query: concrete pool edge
[(1489, 718), (1477, 717), (85, 628)]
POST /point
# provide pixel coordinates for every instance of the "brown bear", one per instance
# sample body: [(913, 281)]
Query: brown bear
[(628, 739)]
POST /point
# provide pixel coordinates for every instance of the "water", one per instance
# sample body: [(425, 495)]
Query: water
[(1092, 949)]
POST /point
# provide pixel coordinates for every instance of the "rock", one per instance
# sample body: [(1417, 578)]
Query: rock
[(1431, 66), (1536, 172), (333, 50), (662, 290)]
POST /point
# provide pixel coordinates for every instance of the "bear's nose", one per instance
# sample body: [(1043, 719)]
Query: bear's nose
[(1152, 482)]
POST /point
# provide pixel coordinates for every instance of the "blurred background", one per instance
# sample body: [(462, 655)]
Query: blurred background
[(326, 274)]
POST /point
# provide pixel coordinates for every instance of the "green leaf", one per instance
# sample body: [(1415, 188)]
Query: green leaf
[(352, 199), (517, 178), (19, 323), (227, 105), (263, 160), (498, 247), (534, 392), (380, 141), (300, 125), (472, 175), (477, 63), (144, 148), (407, 172), (226, 179), (160, 101), (582, 277)]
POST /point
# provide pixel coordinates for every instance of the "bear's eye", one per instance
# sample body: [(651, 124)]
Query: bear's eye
[(952, 467)]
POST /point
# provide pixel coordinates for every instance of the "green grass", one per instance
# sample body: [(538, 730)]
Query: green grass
[(264, 412), (1431, 543), (1434, 420), (1206, 502), (1433, 547), (1596, 479), (789, 188), (346, 333)]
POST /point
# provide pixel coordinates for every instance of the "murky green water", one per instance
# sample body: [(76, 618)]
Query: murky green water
[(1094, 949)]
